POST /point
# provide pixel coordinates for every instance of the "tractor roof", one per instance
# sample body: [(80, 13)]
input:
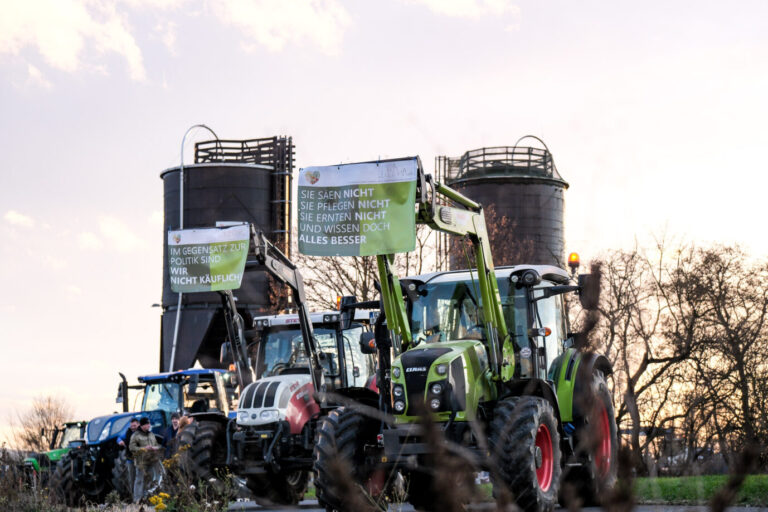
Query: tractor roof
[(179, 373), (317, 318), (548, 272)]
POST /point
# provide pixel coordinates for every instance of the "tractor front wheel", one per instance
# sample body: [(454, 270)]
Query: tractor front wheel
[(122, 476), (340, 461), (203, 446), (62, 483), (526, 444)]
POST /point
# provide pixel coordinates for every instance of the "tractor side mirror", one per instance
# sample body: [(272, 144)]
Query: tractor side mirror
[(589, 291), (225, 353), (368, 343), (122, 392)]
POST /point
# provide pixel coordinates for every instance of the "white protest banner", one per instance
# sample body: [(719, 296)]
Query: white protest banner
[(209, 259), (359, 209)]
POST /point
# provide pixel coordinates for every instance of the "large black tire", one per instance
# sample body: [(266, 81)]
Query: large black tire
[(122, 477), (526, 446), (597, 445), (204, 457), (62, 484), (341, 437), (279, 488)]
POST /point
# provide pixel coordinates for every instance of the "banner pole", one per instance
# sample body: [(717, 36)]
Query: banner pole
[(181, 226)]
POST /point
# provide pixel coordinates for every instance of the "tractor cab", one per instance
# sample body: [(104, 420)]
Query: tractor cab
[(447, 307), (63, 438), (279, 349), (67, 434), (190, 391)]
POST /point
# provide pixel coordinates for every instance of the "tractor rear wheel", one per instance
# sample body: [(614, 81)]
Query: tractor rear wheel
[(279, 488), (597, 445), (526, 444), (62, 483), (340, 461), (206, 447), (122, 476)]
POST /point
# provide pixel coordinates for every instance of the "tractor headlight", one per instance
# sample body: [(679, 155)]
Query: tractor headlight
[(434, 404), (242, 415), (396, 372), (436, 388), (398, 391), (269, 415), (399, 406), (441, 369)]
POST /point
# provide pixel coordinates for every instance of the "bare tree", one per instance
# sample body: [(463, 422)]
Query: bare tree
[(46, 413), (328, 277), (651, 326), (507, 246), (734, 362)]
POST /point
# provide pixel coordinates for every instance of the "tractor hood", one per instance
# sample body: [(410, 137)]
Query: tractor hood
[(444, 378), (105, 428), (278, 398)]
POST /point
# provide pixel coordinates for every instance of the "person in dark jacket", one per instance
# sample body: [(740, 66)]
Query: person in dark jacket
[(170, 441), (124, 441), (146, 452)]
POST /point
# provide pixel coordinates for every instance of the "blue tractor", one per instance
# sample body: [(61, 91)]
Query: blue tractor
[(86, 474)]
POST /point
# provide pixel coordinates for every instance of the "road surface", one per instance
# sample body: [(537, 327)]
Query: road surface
[(311, 506)]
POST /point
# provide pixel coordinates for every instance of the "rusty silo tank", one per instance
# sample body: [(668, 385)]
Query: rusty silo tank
[(522, 184), (240, 181)]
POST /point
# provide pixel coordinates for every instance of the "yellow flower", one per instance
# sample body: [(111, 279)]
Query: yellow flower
[(160, 506), (164, 495)]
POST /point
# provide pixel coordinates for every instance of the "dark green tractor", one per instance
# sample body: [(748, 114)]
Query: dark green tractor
[(485, 357), (38, 466)]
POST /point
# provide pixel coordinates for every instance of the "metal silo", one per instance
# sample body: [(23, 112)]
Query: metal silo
[(523, 185), (241, 181)]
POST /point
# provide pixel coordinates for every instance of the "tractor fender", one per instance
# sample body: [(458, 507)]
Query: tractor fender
[(210, 416), (535, 387), (572, 374)]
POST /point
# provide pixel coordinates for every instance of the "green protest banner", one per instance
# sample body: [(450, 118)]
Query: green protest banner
[(360, 209), (205, 260)]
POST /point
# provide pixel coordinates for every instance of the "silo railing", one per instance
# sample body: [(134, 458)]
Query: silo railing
[(498, 161)]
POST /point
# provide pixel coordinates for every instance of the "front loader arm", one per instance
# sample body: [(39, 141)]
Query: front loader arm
[(466, 220), (270, 259)]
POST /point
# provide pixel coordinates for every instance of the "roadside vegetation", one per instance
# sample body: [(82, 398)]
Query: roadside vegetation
[(699, 490)]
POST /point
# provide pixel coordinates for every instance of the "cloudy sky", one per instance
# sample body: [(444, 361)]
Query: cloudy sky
[(655, 112)]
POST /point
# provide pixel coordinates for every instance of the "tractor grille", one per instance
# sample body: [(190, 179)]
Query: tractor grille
[(416, 381), (269, 400)]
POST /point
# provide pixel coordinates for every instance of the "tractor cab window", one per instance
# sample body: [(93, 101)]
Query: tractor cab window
[(452, 311), (551, 313), (161, 395), (282, 351), (201, 396), (358, 366), (447, 312), (71, 433)]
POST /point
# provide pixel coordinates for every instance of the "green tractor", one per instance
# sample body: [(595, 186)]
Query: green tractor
[(37, 467), (484, 359)]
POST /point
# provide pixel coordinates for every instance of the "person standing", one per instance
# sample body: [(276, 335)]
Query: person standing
[(145, 450), (170, 440), (124, 441)]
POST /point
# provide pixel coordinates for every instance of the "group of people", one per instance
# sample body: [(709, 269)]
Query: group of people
[(144, 453)]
